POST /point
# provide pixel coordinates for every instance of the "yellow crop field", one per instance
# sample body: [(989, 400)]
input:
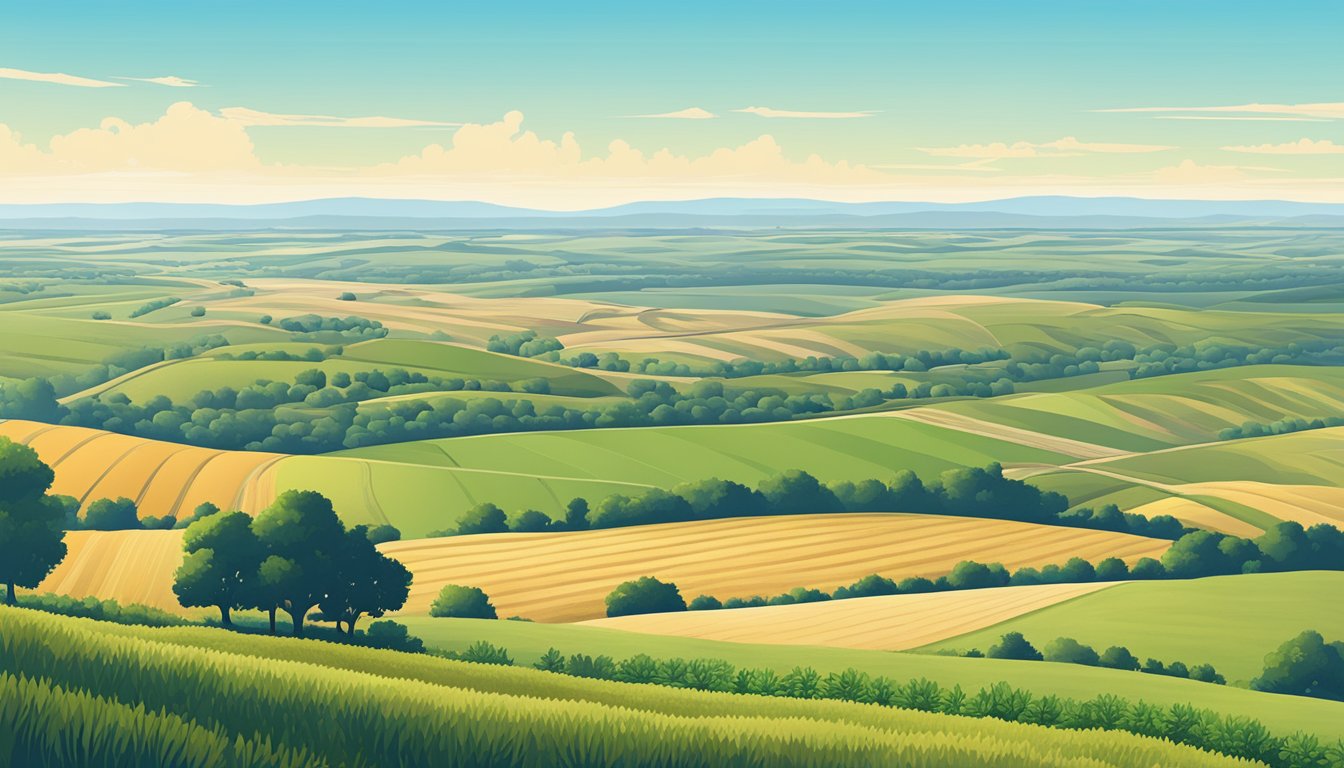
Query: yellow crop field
[(162, 478), (559, 577), (128, 566), (890, 623)]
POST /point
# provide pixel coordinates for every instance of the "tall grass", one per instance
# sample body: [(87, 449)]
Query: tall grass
[(201, 698)]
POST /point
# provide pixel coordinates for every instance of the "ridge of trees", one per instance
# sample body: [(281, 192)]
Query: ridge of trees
[(964, 492)]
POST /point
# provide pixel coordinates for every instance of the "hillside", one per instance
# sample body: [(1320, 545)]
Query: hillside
[(566, 576), (304, 707), (1230, 622)]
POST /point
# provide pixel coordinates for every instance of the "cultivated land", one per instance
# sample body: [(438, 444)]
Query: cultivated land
[(1121, 364), (304, 697), (890, 623), (557, 577), (1231, 622)]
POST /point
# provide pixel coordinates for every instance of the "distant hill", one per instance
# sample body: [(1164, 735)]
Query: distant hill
[(1043, 212)]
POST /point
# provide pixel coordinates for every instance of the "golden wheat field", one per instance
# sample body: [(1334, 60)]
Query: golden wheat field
[(891, 623), (128, 566), (161, 478), (561, 577), (564, 577)]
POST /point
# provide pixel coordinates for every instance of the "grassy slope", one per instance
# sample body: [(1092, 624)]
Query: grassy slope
[(1230, 621), (1147, 414), (385, 708), (1311, 458), (527, 642)]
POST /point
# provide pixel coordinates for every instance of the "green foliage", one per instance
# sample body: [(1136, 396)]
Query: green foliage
[(198, 311), (32, 523), (111, 515), (393, 636), (644, 595), (154, 306), (1304, 666), (483, 518), (219, 569), (1014, 646), (413, 710), (101, 610), (1070, 651), (381, 534), (458, 602)]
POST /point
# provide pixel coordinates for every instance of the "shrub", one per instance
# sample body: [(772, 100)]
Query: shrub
[(101, 315), (483, 518), (1118, 657), (111, 515), (381, 534), (705, 603), (198, 311), (644, 595), (393, 636), (1014, 646), (481, 652), (347, 296), (459, 602), (1304, 666), (1070, 651)]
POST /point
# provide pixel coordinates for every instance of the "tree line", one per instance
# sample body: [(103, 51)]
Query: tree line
[(1236, 736), (294, 556), (1066, 650), (1285, 546), (964, 492)]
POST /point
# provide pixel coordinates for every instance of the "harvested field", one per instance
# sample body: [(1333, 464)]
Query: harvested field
[(890, 623), (566, 576)]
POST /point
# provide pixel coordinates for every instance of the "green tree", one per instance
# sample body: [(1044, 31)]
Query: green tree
[(112, 515), (644, 595), (221, 564), (1304, 666), (531, 521), (576, 514), (32, 524), (1070, 651), (1014, 646), (381, 534), (202, 510), (458, 602), (304, 540), (483, 518), (1118, 657), (365, 581)]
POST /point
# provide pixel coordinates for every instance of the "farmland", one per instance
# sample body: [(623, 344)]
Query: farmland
[(560, 577), (248, 365)]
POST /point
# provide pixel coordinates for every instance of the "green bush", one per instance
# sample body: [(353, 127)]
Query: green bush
[(458, 602), (644, 595)]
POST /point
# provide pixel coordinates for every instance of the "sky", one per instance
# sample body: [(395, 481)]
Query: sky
[(585, 104)]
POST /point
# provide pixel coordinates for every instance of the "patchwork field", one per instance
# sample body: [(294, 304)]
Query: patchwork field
[(528, 641), (556, 577), (890, 623), (1231, 622)]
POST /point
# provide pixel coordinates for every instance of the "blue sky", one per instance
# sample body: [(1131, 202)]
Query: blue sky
[(919, 96)]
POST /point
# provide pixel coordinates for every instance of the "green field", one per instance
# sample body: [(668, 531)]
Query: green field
[(1231, 622), (315, 704), (1312, 457), (528, 641), (425, 485), (1148, 414)]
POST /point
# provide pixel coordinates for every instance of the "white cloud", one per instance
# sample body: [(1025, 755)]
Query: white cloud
[(1189, 172), (1318, 110), (184, 139), (1065, 147), (789, 113), (56, 78), (690, 113), (172, 81), (1299, 147), (252, 118), (983, 165)]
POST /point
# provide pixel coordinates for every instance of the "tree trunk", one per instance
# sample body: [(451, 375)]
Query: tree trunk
[(224, 619), (272, 612), (350, 623), (9, 593), (296, 616)]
